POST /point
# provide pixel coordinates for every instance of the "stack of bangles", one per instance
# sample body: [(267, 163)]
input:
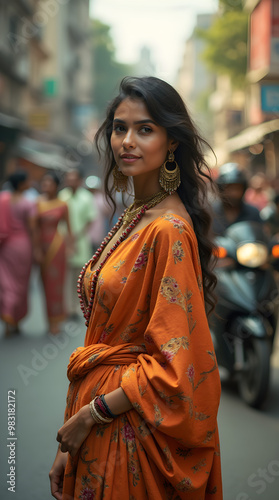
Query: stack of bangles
[(100, 411)]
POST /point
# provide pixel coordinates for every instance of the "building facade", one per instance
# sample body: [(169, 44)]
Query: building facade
[(195, 82), (257, 145), (45, 79)]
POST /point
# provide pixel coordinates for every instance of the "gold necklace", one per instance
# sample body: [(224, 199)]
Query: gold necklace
[(150, 202)]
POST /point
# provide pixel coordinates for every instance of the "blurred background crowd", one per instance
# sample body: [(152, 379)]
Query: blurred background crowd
[(57, 225), (58, 70)]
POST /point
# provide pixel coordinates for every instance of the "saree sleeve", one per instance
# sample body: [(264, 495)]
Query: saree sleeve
[(175, 385)]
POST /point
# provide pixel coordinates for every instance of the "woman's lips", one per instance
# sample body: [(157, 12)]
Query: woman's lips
[(129, 158)]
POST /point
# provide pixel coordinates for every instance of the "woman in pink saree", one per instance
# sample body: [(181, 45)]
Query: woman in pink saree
[(51, 211), (16, 234)]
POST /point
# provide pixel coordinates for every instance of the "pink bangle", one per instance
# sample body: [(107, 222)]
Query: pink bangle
[(101, 407), (97, 417)]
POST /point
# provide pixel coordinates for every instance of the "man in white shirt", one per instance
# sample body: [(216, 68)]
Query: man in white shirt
[(82, 211)]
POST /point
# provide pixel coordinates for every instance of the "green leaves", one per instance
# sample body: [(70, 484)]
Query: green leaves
[(107, 71), (226, 42), (231, 5)]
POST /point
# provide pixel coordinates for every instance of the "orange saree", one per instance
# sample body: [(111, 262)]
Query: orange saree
[(148, 333)]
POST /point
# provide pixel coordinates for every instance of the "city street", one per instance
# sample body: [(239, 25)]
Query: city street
[(33, 370), (105, 103)]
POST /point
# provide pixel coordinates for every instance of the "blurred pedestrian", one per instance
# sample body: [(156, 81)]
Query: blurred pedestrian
[(32, 193), (141, 414), (82, 211), (231, 208), (99, 226), (17, 231), (51, 212), (257, 193)]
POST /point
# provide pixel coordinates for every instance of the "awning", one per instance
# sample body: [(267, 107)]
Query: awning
[(9, 121), (251, 135), (44, 154)]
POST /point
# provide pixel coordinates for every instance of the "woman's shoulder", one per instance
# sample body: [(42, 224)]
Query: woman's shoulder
[(171, 207), (167, 221), (170, 234), (168, 228), (173, 221)]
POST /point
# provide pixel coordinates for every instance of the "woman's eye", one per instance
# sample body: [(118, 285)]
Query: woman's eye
[(118, 128), (146, 129)]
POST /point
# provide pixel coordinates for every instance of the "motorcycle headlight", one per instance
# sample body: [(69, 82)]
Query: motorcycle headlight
[(252, 254)]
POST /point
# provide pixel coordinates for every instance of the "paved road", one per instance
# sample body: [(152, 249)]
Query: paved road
[(34, 365)]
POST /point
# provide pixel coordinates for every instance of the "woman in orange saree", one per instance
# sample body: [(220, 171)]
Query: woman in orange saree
[(50, 212), (141, 414)]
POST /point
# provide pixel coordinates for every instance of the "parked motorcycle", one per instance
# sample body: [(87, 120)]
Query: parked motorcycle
[(244, 326)]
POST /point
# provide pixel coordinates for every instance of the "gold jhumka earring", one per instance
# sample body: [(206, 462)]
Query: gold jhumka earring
[(170, 179), (120, 181)]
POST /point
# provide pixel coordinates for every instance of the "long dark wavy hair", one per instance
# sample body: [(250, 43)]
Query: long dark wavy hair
[(168, 110)]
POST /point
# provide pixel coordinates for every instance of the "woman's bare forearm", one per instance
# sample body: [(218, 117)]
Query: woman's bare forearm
[(118, 402)]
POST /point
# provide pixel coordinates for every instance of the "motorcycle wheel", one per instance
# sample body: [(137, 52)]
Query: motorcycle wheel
[(253, 382)]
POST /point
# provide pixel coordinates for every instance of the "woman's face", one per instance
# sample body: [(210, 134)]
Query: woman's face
[(48, 186), (139, 145)]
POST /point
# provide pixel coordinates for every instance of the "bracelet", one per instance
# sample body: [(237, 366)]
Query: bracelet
[(99, 419), (93, 413), (108, 411), (99, 406), (97, 416)]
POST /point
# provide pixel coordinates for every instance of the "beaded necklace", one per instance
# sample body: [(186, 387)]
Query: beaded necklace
[(86, 309)]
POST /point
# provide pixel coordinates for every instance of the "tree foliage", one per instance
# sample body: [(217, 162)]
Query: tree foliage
[(231, 5), (107, 71), (226, 42)]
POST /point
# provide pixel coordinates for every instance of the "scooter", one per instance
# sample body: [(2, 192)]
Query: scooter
[(244, 324)]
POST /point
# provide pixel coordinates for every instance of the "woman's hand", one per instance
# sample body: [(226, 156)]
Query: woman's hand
[(75, 431), (56, 474)]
